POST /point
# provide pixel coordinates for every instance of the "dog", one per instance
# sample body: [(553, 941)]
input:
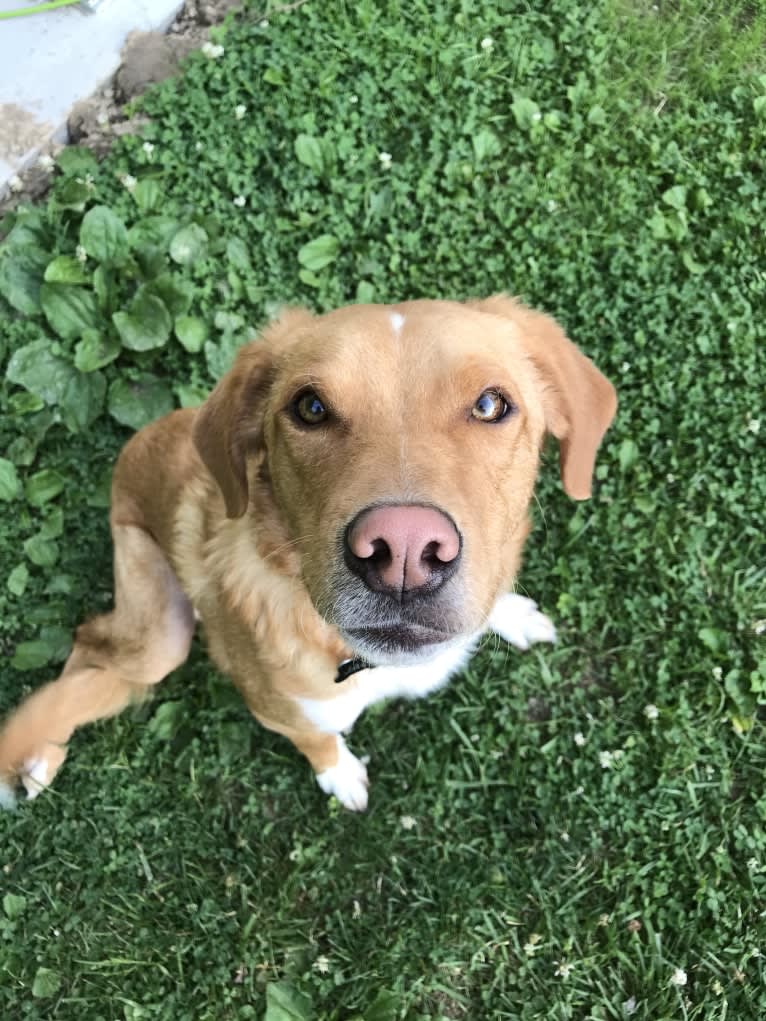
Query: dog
[(345, 515)]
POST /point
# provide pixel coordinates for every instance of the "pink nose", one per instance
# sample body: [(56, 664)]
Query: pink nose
[(401, 548)]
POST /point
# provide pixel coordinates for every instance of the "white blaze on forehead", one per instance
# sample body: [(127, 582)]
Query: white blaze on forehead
[(397, 321)]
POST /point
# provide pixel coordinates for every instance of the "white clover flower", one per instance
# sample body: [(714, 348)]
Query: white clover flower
[(385, 159), (651, 712), (579, 739), (213, 50), (754, 425), (148, 148), (239, 111), (322, 964), (128, 181), (487, 43), (46, 162), (239, 201), (563, 969), (408, 823), (81, 254), (15, 183), (678, 978)]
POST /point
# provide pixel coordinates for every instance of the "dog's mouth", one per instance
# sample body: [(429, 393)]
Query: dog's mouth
[(388, 631), (396, 639)]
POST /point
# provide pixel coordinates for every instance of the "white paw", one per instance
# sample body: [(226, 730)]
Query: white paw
[(347, 779), (517, 619), (36, 776), (7, 797)]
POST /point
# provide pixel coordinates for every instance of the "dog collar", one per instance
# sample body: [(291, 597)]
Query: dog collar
[(349, 667)]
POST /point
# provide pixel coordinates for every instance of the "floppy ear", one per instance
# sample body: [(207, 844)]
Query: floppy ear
[(579, 402), (228, 424)]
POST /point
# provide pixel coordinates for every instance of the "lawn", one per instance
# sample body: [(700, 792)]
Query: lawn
[(577, 832)]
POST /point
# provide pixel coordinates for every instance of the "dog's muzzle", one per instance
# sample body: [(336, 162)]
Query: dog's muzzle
[(396, 589)]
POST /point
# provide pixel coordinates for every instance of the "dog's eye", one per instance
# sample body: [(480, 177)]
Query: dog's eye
[(309, 408), (491, 406)]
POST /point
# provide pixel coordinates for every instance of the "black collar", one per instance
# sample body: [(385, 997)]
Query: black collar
[(349, 667)]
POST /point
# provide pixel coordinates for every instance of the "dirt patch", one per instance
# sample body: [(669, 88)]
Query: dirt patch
[(18, 131), (146, 58)]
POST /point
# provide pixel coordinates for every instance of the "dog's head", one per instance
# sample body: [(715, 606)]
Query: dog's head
[(399, 446)]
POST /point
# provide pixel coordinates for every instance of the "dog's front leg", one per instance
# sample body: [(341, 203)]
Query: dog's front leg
[(338, 771)]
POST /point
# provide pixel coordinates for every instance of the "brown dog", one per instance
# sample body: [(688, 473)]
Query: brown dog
[(357, 486)]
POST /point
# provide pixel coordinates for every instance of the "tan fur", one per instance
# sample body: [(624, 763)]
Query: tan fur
[(233, 512)]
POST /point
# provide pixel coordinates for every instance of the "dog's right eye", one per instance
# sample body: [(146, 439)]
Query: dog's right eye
[(309, 408)]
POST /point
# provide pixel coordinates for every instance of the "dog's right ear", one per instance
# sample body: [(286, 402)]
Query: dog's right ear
[(229, 425)]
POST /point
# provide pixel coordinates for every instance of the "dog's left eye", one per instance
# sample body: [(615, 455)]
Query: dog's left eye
[(491, 406), (309, 409)]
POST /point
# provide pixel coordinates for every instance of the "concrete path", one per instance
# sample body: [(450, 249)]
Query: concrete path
[(50, 61)]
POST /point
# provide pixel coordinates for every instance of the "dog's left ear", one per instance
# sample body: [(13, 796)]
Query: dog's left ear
[(578, 400)]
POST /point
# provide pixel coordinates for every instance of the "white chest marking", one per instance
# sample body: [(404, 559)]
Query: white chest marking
[(515, 618), (334, 715)]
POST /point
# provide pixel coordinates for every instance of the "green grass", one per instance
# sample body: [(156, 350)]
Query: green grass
[(185, 862), (685, 48)]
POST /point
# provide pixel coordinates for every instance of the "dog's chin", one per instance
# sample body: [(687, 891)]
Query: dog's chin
[(398, 645)]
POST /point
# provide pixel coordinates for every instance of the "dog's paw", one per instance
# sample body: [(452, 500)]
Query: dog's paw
[(39, 770), (347, 780), (7, 796), (35, 773), (517, 619)]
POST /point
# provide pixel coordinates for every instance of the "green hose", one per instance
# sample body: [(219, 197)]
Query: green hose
[(37, 9)]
